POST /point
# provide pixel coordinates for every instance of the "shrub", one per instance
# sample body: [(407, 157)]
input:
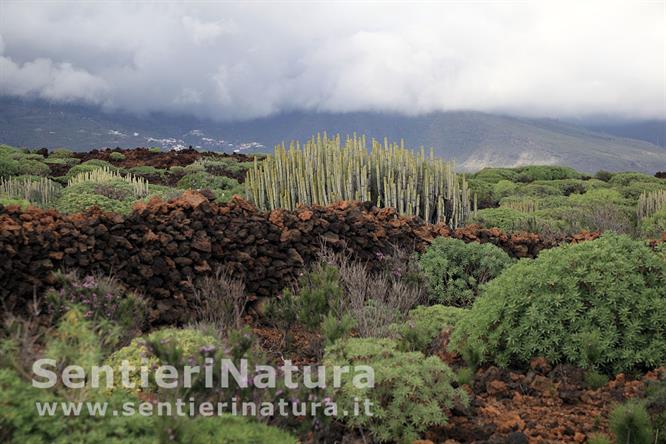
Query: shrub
[(411, 392), (505, 188), (655, 403), (506, 219), (334, 328), (146, 170), (630, 423), (424, 324), (88, 166), (494, 175), (8, 167), (38, 190), (116, 156), (74, 341), (187, 342), (114, 196), (531, 173), (229, 429), (456, 269), (19, 422), (219, 300), (595, 380), (484, 192), (598, 304), (70, 161), (177, 170), (625, 179), (203, 180), (33, 168), (4, 201), (101, 298), (603, 175), (61, 153), (155, 149), (598, 438)]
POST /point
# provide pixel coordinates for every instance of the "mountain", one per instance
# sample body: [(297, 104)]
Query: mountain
[(473, 139), (653, 131)]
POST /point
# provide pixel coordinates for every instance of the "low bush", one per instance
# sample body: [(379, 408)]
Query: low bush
[(494, 175), (531, 173), (88, 166), (630, 422), (61, 153), (598, 304), (187, 342), (116, 156), (424, 324), (4, 201), (203, 180), (625, 179), (115, 196), (411, 392), (455, 269)]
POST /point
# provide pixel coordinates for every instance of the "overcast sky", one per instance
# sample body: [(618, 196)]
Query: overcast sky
[(237, 61)]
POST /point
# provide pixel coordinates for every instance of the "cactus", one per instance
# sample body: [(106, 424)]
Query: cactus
[(650, 202), (39, 191), (102, 175), (324, 170)]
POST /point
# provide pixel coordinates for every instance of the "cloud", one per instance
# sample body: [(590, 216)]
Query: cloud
[(238, 61)]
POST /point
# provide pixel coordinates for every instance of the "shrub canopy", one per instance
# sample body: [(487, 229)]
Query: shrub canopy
[(596, 304)]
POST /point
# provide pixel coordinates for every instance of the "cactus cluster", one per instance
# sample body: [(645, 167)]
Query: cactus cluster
[(39, 191), (104, 174), (524, 205), (650, 202), (324, 170)]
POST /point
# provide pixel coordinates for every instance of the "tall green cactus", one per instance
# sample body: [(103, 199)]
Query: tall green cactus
[(650, 202), (324, 171)]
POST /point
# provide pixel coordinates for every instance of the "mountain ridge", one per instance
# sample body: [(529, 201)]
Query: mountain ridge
[(472, 139)]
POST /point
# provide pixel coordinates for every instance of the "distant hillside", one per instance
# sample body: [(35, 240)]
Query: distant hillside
[(475, 140)]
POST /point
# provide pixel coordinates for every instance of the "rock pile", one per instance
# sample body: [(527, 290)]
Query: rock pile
[(161, 244)]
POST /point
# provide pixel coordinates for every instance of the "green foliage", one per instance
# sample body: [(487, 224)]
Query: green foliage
[(455, 269), (424, 324), (229, 429), (598, 438), (494, 175), (102, 299), (88, 166), (531, 173), (186, 342), (146, 170), (654, 225), (625, 179), (20, 423), (61, 153), (203, 180), (74, 341), (70, 161), (595, 380), (14, 162), (116, 156), (603, 175), (20, 202), (8, 167), (630, 422), (599, 304), (334, 328), (155, 149), (37, 190), (465, 376), (114, 196), (324, 171), (655, 403), (410, 393), (505, 188)]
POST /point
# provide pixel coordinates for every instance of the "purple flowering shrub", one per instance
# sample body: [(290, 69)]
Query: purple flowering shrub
[(101, 298)]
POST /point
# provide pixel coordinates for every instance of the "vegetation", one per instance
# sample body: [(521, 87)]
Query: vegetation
[(599, 304), (424, 324), (630, 423), (410, 393), (455, 270), (324, 171)]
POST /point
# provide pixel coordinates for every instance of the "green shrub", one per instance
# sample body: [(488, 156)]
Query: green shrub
[(655, 403), (70, 161), (494, 175), (531, 173), (177, 170), (505, 188), (654, 225), (202, 180), (506, 219), (116, 156), (20, 202), (188, 342), (115, 196), (74, 341), (38, 190), (89, 166), (599, 304), (484, 192), (595, 380), (411, 392), (598, 438), (20, 423), (465, 376), (334, 328), (60, 153), (33, 168), (603, 175), (455, 269), (155, 149), (229, 429), (424, 324), (625, 179), (8, 167), (145, 170), (630, 422)]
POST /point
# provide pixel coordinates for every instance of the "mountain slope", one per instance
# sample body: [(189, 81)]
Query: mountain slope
[(474, 140)]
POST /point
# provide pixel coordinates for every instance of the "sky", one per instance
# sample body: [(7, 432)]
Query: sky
[(243, 60)]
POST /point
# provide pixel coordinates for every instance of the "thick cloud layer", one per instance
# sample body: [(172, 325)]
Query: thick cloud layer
[(244, 60)]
